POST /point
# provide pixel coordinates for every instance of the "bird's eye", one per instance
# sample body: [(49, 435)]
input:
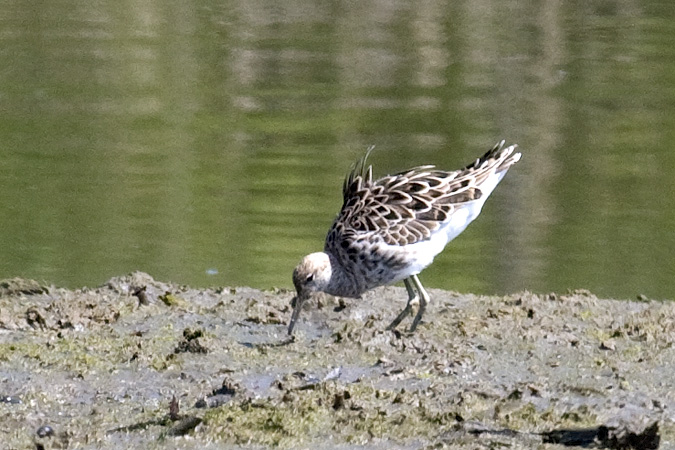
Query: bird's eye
[(310, 278)]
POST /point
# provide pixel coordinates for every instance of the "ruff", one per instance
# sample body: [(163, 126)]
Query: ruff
[(390, 229)]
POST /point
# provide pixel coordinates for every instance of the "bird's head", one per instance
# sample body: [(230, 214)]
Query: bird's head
[(312, 274)]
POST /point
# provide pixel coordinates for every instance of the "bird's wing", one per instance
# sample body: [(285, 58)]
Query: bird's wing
[(408, 207)]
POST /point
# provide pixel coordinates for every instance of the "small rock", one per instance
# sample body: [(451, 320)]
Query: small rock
[(333, 374), (213, 401), (220, 396), (229, 387), (35, 319), (45, 431), (184, 426), (190, 342), (10, 399), (174, 409), (142, 295), (190, 347), (190, 334)]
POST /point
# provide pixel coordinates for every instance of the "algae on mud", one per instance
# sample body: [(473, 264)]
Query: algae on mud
[(101, 366)]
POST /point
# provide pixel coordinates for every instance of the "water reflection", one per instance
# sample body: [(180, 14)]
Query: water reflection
[(206, 143)]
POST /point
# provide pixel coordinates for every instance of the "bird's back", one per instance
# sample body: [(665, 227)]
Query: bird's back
[(393, 227)]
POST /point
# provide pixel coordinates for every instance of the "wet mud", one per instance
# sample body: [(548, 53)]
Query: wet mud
[(139, 363)]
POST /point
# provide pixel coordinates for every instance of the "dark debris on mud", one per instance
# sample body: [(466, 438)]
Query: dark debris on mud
[(140, 363)]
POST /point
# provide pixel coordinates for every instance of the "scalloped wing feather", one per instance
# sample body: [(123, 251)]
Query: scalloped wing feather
[(407, 207)]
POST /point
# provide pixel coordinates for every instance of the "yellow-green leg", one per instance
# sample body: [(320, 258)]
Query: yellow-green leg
[(412, 284), (423, 300)]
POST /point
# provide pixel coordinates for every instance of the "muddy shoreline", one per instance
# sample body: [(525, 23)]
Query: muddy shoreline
[(146, 364)]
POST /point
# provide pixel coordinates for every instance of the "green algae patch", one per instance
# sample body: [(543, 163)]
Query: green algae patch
[(355, 415), (266, 423)]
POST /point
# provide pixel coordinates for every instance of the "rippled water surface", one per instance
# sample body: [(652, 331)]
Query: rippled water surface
[(205, 142)]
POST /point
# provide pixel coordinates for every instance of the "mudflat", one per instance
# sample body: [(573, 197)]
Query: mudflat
[(139, 363)]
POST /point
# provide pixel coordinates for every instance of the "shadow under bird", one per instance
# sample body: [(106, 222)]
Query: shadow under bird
[(390, 229)]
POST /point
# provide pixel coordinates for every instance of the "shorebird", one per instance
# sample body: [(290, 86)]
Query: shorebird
[(390, 229)]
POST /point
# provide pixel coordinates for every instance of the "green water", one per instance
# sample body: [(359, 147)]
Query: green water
[(205, 142)]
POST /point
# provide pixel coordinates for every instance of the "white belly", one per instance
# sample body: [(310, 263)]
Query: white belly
[(422, 254)]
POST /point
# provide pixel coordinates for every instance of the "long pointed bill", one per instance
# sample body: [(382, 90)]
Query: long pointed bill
[(299, 301)]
